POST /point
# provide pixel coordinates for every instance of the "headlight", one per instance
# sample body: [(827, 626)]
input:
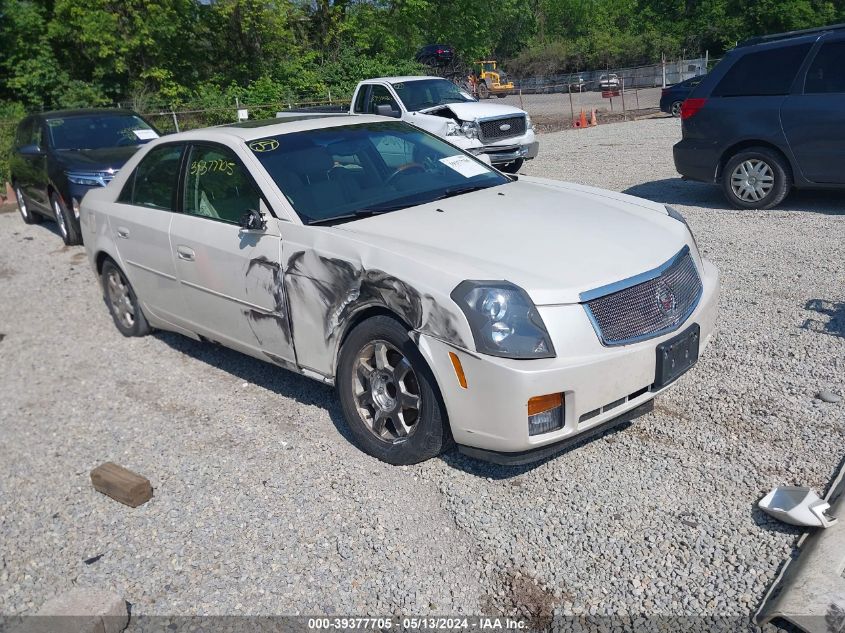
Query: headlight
[(528, 124), (469, 129), (87, 178), (503, 320), (676, 215)]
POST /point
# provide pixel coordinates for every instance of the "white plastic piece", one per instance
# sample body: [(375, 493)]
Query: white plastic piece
[(797, 506)]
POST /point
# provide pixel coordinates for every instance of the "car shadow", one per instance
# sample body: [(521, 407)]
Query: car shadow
[(834, 325), (251, 370), (709, 196), (306, 391)]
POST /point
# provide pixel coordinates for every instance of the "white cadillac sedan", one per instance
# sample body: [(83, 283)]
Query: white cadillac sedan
[(446, 301)]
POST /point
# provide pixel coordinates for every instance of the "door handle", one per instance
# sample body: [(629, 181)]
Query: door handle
[(185, 253), (123, 233)]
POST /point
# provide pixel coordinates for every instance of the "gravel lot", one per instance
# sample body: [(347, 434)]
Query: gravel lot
[(262, 506)]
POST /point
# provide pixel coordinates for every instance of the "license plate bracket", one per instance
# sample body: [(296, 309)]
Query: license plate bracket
[(676, 356)]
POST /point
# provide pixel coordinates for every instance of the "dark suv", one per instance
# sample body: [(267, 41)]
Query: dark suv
[(770, 116), (60, 155)]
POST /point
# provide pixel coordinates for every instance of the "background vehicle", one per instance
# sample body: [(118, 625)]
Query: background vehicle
[(769, 117), (672, 97), (501, 131), (577, 83), (364, 252), (490, 80), (59, 156), (435, 55), (609, 82)]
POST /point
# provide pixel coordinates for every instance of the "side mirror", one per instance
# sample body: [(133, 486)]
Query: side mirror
[(253, 220), (385, 109), (31, 150)]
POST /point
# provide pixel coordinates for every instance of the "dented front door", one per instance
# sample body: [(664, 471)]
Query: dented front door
[(230, 277)]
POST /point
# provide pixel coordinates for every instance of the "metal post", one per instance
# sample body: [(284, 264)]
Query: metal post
[(571, 107), (624, 111), (237, 109), (521, 107), (175, 121), (664, 70)]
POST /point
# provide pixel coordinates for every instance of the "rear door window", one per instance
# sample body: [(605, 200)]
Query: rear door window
[(766, 73), (155, 179), (827, 72)]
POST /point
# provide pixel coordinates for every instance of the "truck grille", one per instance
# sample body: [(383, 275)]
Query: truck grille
[(495, 129), (649, 308)]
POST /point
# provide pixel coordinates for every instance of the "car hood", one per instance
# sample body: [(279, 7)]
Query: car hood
[(472, 110), (554, 239), (95, 159)]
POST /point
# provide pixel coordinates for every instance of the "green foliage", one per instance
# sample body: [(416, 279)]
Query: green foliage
[(10, 112)]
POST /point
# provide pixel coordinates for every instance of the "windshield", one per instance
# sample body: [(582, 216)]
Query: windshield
[(340, 173), (427, 93), (99, 131)]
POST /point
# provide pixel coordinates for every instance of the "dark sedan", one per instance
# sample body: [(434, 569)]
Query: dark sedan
[(60, 155), (673, 97)]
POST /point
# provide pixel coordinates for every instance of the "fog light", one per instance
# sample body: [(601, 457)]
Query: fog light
[(545, 414), (75, 204)]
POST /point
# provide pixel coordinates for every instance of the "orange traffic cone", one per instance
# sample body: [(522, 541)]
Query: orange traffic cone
[(593, 121), (583, 119)]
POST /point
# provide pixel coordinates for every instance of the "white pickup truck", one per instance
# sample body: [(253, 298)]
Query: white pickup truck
[(438, 106)]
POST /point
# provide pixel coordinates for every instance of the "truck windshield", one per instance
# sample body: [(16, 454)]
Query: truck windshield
[(427, 93), (343, 173), (99, 131)]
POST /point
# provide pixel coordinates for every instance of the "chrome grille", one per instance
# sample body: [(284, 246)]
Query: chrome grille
[(491, 129), (648, 307)]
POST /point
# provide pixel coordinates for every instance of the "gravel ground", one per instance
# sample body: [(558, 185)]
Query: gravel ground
[(262, 506)]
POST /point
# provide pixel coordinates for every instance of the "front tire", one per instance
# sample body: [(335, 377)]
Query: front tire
[(27, 215), (389, 396), (483, 90), (67, 228), (514, 167), (122, 302), (756, 178)]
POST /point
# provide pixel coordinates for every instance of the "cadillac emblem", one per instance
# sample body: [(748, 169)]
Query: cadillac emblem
[(665, 298)]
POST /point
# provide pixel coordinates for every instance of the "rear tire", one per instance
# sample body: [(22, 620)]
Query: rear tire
[(676, 108), (123, 305), (756, 178), (514, 167), (27, 214), (64, 220), (389, 396), (483, 90)]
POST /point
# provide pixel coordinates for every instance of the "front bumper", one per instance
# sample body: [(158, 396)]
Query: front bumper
[(599, 383), (504, 154)]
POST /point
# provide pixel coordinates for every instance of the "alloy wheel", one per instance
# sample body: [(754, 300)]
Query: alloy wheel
[(60, 218), (21, 203), (752, 180), (120, 299), (386, 391), (676, 109)]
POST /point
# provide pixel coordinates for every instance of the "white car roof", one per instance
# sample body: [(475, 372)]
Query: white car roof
[(397, 80), (251, 130)]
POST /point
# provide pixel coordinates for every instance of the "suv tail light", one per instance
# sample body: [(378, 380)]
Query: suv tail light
[(690, 107)]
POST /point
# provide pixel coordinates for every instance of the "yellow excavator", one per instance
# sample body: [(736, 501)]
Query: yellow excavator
[(487, 80)]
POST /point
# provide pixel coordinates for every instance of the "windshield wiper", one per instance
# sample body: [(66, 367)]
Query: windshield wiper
[(358, 214), (451, 192)]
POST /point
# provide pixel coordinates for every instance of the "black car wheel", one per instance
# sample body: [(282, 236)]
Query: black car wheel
[(512, 168), (28, 216), (67, 227), (756, 178), (676, 108), (122, 302), (389, 396)]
